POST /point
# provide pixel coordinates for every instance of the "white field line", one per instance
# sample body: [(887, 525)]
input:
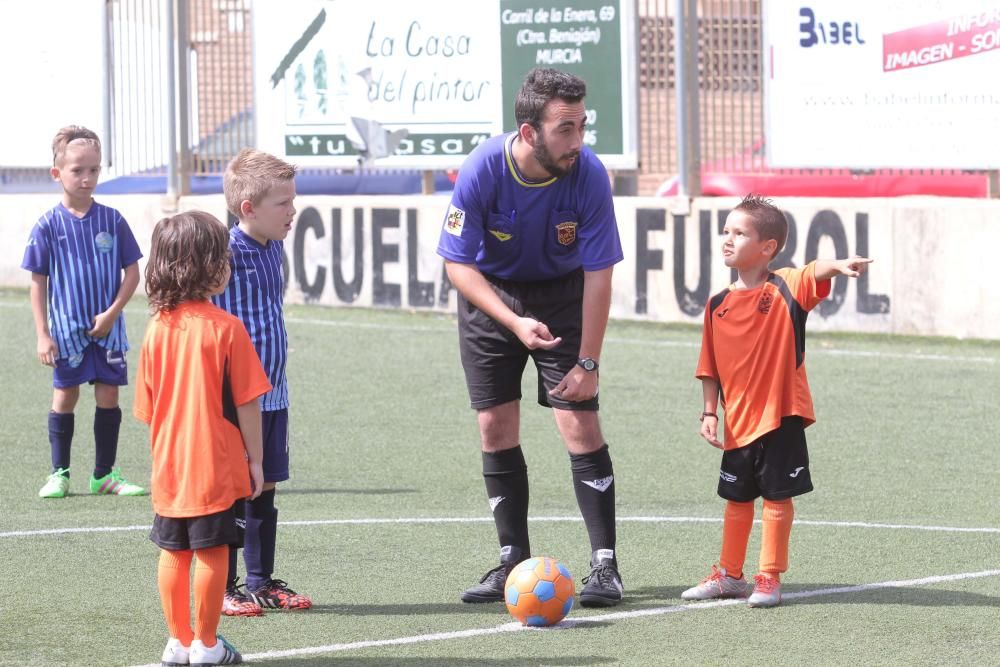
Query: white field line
[(915, 356), (603, 618), (538, 519)]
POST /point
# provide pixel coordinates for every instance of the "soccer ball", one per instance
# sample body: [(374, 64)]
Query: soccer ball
[(539, 592)]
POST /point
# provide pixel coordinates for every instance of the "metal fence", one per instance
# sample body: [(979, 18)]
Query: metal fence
[(215, 92)]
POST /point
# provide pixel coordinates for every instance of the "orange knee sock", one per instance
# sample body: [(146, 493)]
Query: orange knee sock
[(210, 573), (736, 525), (778, 515), (174, 580)]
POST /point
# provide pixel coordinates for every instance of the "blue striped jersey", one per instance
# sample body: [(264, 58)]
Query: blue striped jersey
[(256, 294), (83, 259)]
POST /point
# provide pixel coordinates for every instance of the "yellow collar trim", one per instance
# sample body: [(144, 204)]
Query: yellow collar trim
[(508, 153)]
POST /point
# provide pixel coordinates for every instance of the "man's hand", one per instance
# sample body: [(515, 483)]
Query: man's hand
[(577, 385), (534, 334), (710, 431), (47, 351), (102, 324)]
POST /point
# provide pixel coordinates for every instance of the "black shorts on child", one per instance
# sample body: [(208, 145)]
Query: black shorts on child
[(775, 465), (200, 532), (494, 358)]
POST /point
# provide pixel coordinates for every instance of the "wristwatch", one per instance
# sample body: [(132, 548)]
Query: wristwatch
[(587, 364)]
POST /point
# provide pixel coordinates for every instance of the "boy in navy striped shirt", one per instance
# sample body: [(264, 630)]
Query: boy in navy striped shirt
[(260, 191), (77, 253)]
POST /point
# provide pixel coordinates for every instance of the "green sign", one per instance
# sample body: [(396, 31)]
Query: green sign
[(583, 38)]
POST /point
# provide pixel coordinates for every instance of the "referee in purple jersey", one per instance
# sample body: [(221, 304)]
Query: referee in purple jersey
[(529, 242)]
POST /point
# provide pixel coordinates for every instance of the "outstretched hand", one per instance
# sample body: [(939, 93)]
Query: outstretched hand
[(534, 334), (854, 266)]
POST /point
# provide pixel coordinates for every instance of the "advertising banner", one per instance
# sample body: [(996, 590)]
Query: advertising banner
[(419, 85), (891, 84)]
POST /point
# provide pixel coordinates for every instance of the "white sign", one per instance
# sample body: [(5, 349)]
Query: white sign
[(53, 59), (414, 84), (890, 84)]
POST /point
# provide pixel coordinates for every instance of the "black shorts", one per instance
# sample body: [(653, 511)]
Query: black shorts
[(494, 358), (775, 465), (200, 532)]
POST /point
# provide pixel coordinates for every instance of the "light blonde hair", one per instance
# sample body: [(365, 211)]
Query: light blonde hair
[(71, 134), (251, 175)]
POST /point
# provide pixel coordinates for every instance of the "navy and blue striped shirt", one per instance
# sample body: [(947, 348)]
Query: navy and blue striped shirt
[(255, 294), (83, 259)]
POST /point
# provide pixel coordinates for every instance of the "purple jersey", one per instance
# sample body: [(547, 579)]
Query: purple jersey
[(83, 259), (516, 229), (256, 295)]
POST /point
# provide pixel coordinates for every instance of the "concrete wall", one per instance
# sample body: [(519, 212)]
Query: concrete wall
[(933, 256)]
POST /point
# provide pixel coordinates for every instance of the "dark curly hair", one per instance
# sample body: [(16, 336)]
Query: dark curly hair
[(541, 86), (187, 261)]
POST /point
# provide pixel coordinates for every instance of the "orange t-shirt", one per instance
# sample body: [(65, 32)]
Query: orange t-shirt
[(753, 344), (196, 365)]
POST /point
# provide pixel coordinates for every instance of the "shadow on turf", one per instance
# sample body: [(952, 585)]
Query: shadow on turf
[(356, 492), (382, 661), (914, 597)]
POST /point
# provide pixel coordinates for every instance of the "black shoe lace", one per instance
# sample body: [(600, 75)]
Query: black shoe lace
[(280, 585), (603, 575), (503, 569)]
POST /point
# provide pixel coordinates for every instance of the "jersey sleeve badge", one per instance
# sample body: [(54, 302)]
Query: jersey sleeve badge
[(454, 220)]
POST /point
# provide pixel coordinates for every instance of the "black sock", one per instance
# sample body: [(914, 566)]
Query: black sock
[(258, 547), (107, 423), (506, 476), (233, 576), (594, 483), (60, 439)]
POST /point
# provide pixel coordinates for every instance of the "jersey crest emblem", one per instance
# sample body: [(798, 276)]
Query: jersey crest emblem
[(454, 220), (503, 236), (104, 242), (566, 232), (764, 304)]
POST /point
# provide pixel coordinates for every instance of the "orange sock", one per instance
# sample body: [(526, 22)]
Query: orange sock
[(736, 525), (778, 515), (210, 573), (174, 580)]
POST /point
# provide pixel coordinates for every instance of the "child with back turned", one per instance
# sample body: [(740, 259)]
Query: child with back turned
[(260, 192), (197, 386), (77, 254), (752, 361)]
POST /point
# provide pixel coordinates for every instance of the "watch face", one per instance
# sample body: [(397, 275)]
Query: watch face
[(588, 364)]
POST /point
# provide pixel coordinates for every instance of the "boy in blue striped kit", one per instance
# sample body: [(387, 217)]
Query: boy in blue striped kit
[(260, 191), (76, 253)]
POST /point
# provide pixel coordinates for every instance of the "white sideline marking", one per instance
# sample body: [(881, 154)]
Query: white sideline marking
[(916, 356), (539, 519), (603, 618)]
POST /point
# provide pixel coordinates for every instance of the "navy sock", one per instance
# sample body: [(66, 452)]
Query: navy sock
[(232, 576), (594, 483), (60, 439), (261, 535), (107, 423), (506, 476)]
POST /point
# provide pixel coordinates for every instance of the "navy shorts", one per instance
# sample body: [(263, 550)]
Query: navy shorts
[(200, 532), (94, 364), (775, 466), (494, 358), (274, 427)]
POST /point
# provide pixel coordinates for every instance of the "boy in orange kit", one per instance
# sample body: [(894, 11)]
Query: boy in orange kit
[(197, 387), (752, 360)]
